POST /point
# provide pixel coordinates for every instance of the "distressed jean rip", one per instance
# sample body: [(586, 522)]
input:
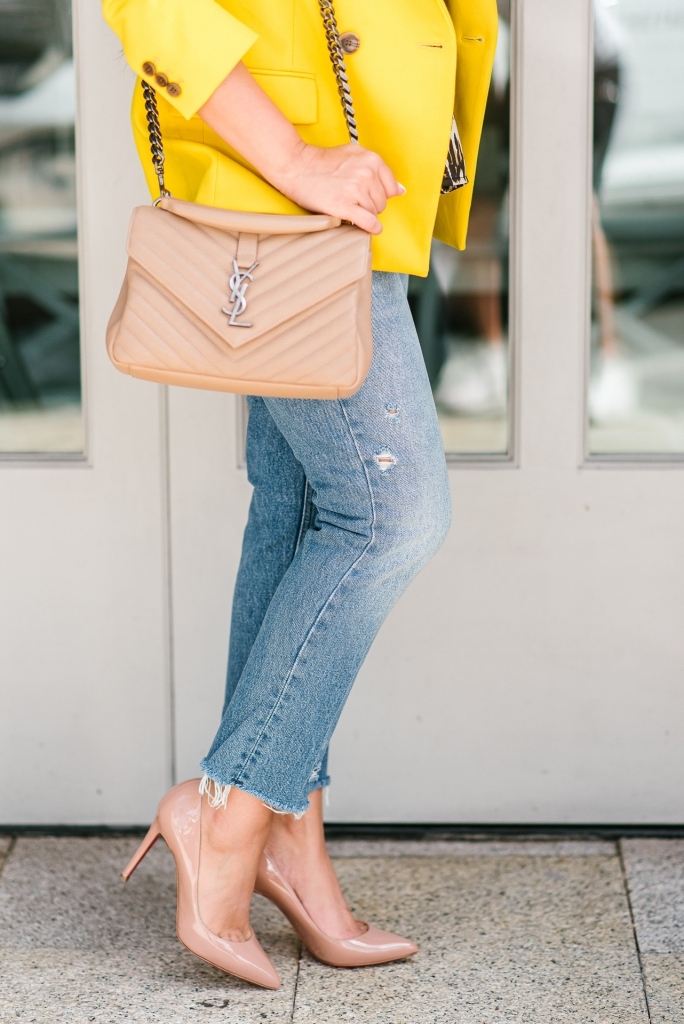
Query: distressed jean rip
[(385, 460), (392, 412)]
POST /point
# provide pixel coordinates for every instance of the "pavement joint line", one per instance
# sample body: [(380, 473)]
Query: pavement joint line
[(625, 882), (296, 981)]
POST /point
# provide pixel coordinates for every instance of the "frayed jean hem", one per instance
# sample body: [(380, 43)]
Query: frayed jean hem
[(321, 783), (217, 795)]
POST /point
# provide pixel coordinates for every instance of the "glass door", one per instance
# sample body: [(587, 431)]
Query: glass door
[(83, 623), (40, 365), (532, 673)]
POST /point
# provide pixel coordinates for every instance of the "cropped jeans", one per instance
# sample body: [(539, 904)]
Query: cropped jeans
[(350, 500)]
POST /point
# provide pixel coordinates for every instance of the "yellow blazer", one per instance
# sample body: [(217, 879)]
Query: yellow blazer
[(418, 61)]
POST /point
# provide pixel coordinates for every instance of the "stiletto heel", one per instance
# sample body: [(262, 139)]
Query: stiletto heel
[(178, 822), (148, 842), (372, 947)]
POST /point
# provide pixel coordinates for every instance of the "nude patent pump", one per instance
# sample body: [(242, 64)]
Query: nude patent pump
[(372, 947), (178, 822)]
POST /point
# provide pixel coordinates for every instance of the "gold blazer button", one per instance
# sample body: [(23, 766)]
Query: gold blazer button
[(350, 42), (173, 89), (149, 69), (161, 80)]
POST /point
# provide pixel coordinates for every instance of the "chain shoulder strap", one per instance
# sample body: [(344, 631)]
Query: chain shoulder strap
[(332, 35), (155, 135)]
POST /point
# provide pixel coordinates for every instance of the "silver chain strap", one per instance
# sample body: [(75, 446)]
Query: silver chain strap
[(332, 36), (155, 135)]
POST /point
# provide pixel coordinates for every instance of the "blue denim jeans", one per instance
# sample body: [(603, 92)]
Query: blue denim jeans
[(350, 500)]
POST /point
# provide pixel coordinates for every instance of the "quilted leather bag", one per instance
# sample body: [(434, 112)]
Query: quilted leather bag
[(259, 304)]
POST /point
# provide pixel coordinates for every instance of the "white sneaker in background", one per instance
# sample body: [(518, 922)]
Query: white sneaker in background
[(475, 382), (613, 391)]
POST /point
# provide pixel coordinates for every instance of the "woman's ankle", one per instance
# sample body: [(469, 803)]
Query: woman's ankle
[(243, 823), (232, 839), (306, 830)]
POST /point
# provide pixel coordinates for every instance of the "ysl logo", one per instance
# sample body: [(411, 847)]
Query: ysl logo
[(239, 282)]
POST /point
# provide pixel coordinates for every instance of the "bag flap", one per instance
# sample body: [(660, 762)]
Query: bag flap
[(293, 272)]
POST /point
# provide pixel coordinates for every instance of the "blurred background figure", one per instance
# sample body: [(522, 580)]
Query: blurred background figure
[(612, 388), (636, 387), (40, 381)]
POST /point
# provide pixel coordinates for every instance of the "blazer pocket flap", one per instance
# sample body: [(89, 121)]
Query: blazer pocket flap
[(291, 273), (293, 93)]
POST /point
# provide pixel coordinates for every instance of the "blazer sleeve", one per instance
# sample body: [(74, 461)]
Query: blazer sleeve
[(195, 44), (476, 24)]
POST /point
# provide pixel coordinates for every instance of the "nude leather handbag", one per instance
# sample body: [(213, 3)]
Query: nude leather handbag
[(259, 304)]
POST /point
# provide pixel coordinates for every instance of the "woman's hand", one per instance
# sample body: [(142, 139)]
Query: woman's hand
[(348, 182)]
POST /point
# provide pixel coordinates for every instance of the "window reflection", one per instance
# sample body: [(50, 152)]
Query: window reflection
[(461, 308), (636, 389), (40, 387)]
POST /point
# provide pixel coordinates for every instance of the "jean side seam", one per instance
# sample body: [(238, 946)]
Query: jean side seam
[(329, 598), (302, 521)]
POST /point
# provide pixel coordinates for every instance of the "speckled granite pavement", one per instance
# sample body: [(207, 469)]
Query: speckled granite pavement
[(540, 932), (655, 873)]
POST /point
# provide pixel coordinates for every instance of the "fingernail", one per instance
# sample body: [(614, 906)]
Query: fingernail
[(403, 190)]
